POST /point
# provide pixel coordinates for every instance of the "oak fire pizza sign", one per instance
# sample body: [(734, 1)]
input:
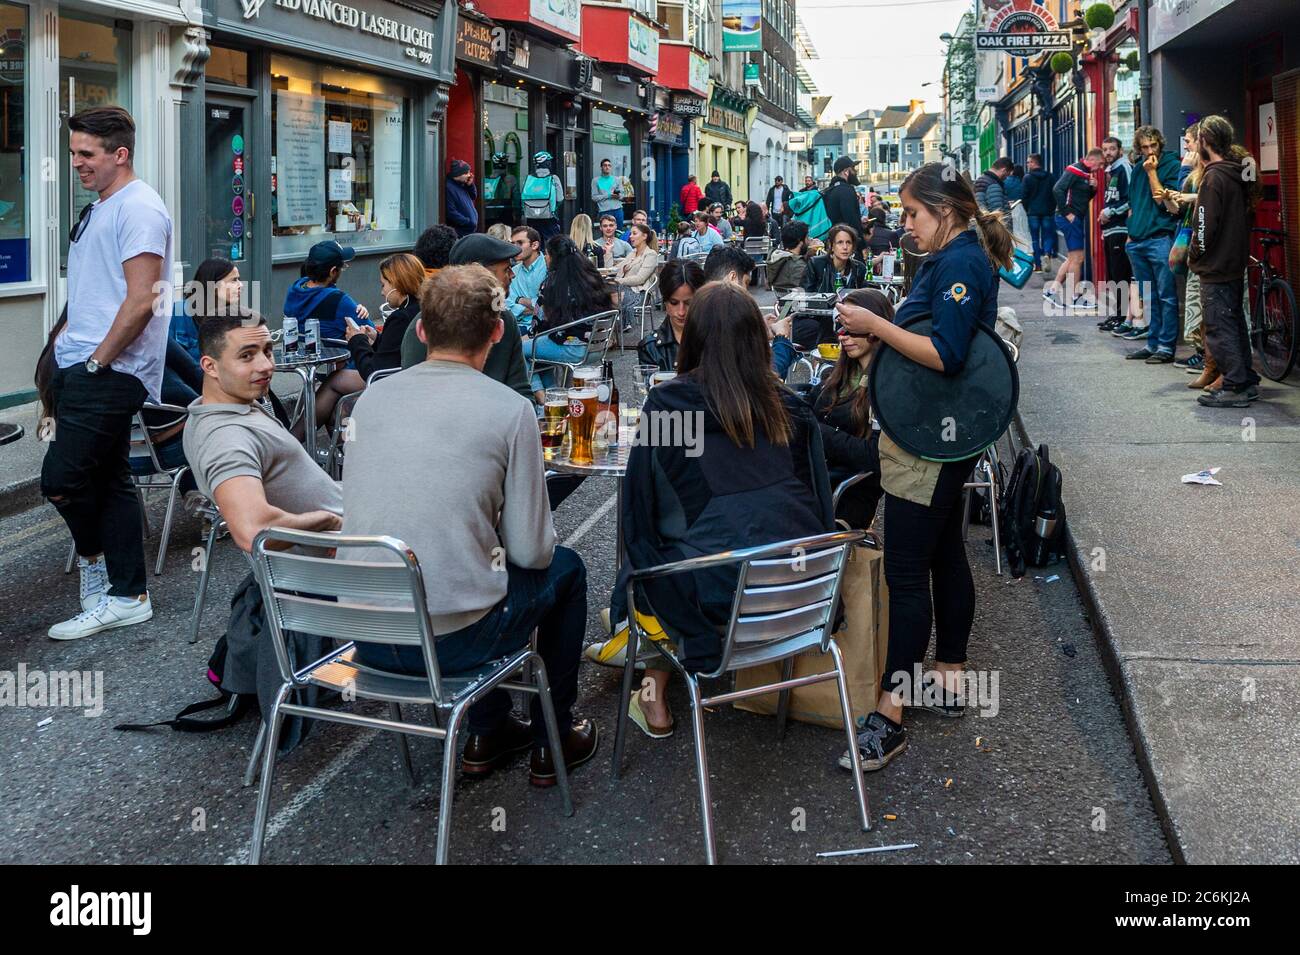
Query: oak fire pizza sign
[(1020, 28)]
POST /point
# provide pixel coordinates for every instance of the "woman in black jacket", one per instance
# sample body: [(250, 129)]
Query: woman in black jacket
[(843, 411), (836, 270), (400, 277), (678, 283), (751, 472)]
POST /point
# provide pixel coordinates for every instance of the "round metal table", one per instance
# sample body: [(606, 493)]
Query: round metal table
[(304, 366), (9, 433), (609, 462)]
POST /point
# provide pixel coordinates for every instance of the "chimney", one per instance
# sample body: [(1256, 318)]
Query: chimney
[(916, 106)]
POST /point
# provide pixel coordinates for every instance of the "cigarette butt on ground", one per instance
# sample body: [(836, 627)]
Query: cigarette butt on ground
[(890, 817)]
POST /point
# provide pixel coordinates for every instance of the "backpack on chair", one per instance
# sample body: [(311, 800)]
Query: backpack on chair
[(1032, 512)]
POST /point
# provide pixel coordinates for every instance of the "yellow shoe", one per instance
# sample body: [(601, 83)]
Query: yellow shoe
[(613, 652)]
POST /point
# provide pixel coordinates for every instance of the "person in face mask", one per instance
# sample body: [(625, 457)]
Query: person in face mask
[(399, 282)]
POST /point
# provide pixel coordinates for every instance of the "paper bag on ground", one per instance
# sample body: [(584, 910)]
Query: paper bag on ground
[(862, 640)]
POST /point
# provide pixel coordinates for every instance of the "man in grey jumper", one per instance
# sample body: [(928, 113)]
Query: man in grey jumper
[(450, 461)]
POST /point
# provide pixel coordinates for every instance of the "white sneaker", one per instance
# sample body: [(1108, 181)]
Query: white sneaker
[(94, 581), (109, 613)]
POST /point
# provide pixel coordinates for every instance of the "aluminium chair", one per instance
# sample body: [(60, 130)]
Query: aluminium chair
[(361, 601), (787, 595), (602, 334)]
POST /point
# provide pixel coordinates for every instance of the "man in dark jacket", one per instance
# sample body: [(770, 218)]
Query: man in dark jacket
[(462, 199), (1040, 206), (988, 187), (505, 362), (1073, 194), (778, 200), (1218, 253), (718, 191), (841, 197)]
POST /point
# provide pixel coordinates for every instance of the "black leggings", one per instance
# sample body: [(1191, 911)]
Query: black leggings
[(924, 551)]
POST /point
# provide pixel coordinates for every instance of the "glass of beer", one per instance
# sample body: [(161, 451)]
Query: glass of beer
[(587, 376), (582, 423), (554, 421), (659, 377)]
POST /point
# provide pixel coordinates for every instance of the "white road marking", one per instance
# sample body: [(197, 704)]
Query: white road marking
[(307, 793), (590, 522)]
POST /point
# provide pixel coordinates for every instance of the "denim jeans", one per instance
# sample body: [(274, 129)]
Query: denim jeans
[(86, 474), (554, 601), (1042, 229), (545, 349), (1150, 258)]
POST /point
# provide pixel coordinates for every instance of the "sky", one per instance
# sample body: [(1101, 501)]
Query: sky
[(876, 53)]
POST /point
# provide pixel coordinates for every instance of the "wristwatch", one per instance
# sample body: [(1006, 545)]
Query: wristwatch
[(93, 367)]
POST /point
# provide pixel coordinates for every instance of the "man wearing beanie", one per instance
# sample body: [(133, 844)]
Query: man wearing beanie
[(462, 199)]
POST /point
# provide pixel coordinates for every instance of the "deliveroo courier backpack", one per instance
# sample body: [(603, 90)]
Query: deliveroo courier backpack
[(537, 196), (808, 207)]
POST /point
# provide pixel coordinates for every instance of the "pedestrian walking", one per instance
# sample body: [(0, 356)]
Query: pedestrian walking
[(777, 198), (691, 196), (989, 193), (109, 359), (462, 199), (607, 194), (1113, 219), (1073, 192), (718, 191), (1218, 253), (841, 197), (1040, 207), (1151, 230)]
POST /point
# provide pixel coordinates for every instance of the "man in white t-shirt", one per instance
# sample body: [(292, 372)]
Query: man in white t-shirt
[(110, 360)]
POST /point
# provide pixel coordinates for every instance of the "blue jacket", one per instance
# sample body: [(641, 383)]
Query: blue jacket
[(462, 213), (303, 303), (184, 330), (957, 287)]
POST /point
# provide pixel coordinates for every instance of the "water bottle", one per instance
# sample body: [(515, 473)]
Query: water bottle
[(311, 330), (290, 336)]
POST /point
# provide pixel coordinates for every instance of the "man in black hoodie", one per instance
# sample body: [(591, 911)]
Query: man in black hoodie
[(841, 198), (1217, 254), (1040, 206)]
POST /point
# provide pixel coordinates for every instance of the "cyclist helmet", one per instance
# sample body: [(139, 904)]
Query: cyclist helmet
[(542, 158)]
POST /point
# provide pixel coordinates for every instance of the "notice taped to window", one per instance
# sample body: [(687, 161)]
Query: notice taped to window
[(299, 142)]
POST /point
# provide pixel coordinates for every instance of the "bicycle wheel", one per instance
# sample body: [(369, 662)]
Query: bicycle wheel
[(1275, 329)]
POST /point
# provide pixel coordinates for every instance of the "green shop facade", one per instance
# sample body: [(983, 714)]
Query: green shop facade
[(313, 120)]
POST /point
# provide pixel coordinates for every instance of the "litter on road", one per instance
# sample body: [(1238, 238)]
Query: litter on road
[(1203, 477), (859, 852)]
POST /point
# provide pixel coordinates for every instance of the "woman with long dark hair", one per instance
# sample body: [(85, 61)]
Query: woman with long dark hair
[(572, 289), (839, 268), (215, 289), (957, 287), (754, 223), (751, 472), (843, 410), (678, 283)]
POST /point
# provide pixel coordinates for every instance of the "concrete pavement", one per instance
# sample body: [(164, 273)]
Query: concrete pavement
[(1192, 587)]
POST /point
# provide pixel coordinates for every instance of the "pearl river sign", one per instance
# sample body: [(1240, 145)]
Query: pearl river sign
[(417, 40)]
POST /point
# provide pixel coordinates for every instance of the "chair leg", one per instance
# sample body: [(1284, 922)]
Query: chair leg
[(268, 773), (965, 513), (702, 770), (167, 521), (846, 710), (629, 672), (197, 614), (993, 514), (552, 730), (448, 782), (783, 700), (395, 713), (144, 512), (72, 557), (250, 772)]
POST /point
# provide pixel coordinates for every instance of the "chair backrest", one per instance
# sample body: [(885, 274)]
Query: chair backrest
[(602, 333), (358, 601), (143, 433)]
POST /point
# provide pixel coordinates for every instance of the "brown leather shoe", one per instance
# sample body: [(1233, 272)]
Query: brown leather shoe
[(579, 746), (484, 752)]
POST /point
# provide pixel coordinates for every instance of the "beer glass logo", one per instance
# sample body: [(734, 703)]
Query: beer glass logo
[(576, 408)]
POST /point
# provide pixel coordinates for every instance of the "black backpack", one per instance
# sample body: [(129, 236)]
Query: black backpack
[(1031, 513), (237, 705)]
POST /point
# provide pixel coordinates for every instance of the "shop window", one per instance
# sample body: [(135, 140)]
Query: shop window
[(340, 157), (15, 227), (94, 70), (227, 66), (505, 127), (611, 140), (1123, 119)]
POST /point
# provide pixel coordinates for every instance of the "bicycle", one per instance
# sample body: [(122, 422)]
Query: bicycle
[(1272, 310)]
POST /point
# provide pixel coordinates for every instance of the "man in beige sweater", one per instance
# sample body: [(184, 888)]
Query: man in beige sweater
[(450, 461)]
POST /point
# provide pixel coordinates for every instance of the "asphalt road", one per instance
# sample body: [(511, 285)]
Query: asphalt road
[(1054, 778)]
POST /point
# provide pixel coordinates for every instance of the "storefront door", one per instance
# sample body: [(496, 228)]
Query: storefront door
[(230, 201)]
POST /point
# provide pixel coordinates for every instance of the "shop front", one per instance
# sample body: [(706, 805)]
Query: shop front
[(724, 141), (300, 145), (465, 139), (55, 60), (684, 79), (671, 159)]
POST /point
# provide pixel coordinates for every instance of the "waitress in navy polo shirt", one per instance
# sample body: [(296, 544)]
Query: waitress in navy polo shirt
[(957, 285)]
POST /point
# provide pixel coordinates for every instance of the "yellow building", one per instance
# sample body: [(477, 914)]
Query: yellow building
[(723, 142)]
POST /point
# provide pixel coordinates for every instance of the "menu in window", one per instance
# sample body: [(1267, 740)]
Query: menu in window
[(299, 136), (387, 156)]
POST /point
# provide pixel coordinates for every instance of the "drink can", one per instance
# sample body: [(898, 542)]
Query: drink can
[(311, 330), (290, 336)]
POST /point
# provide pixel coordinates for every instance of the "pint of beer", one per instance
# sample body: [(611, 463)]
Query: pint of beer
[(582, 424), (587, 376), (554, 419)]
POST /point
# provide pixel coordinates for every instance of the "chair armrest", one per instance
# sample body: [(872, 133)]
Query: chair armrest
[(747, 553)]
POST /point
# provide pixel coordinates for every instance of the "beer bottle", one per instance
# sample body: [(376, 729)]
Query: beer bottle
[(613, 407)]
